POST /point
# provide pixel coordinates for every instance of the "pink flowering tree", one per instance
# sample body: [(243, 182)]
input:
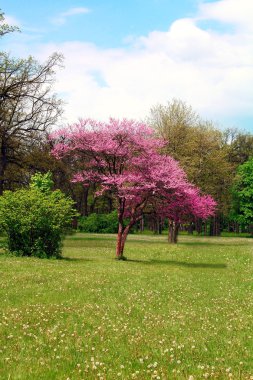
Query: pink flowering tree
[(122, 159), (184, 206)]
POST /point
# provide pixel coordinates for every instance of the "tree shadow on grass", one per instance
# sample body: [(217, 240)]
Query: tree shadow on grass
[(153, 262), (180, 264), (76, 259), (205, 243)]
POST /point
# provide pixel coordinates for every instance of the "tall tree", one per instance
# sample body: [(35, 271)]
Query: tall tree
[(200, 149), (122, 158), (243, 194), (27, 106)]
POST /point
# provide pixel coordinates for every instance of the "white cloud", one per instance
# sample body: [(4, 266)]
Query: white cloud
[(62, 17), (211, 70), (235, 12)]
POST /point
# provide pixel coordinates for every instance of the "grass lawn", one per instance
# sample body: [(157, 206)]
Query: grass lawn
[(169, 312)]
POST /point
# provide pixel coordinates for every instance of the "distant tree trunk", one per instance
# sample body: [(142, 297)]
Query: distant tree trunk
[(190, 228), (205, 228), (215, 227), (142, 224), (173, 230), (110, 205), (92, 207), (159, 225), (155, 224), (82, 201), (199, 226), (75, 223), (85, 201)]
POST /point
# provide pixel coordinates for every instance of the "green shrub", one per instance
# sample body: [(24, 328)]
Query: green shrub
[(35, 220), (99, 223)]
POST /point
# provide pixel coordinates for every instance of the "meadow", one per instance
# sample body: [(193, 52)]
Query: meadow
[(169, 312)]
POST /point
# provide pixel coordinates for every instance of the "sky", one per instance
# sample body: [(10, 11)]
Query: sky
[(121, 58)]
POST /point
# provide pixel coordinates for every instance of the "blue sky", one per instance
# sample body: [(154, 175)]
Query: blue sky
[(106, 23), (123, 57)]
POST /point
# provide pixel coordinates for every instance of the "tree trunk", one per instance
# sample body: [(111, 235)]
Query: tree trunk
[(173, 232), (142, 224), (82, 202), (160, 225), (199, 226), (124, 230), (170, 232), (215, 227), (176, 231), (205, 228), (121, 239), (85, 201), (110, 204), (190, 229)]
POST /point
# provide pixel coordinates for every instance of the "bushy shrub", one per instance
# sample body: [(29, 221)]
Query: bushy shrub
[(35, 220), (99, 223)]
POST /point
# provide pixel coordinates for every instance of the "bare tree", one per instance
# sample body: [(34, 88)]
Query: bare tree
[(27, 106)]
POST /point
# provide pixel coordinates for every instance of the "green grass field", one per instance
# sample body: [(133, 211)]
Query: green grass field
[(169, 312)]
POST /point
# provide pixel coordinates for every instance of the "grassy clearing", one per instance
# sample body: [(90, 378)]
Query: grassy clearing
[(170, 312)]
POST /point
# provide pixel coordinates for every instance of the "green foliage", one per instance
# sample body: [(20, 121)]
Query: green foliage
[(35, 221), (42, 182), (243, 194), (100, 223)]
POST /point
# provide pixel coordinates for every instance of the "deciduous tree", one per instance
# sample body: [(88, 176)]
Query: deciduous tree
[(200, 149), (27, 107), (243, 194), (122, 158)]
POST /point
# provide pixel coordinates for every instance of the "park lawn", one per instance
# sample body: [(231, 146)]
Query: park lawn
[(169, 312)]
